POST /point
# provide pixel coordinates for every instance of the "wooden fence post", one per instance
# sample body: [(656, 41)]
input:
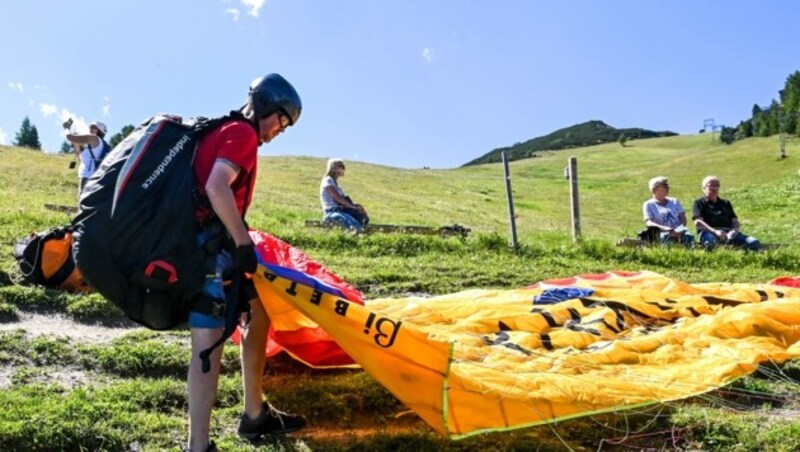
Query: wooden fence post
[(512, 219), (574, 203)]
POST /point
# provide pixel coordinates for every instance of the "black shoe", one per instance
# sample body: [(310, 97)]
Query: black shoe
[(270, 421), (211, 447)]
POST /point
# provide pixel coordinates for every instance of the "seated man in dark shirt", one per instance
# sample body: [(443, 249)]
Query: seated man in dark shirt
[(716, 221)]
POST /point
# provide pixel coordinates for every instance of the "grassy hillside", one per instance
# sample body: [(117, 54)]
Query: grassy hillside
[(129, 393), (580, 135), (613, 185)]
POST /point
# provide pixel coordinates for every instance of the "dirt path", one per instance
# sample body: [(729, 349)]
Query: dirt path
[(58, 325)]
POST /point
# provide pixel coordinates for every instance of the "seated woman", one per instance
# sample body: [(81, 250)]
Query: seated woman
[(666, 214), (337, 207)]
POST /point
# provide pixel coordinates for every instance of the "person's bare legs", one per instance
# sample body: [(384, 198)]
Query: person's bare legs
[(254, 344), (202, 386)]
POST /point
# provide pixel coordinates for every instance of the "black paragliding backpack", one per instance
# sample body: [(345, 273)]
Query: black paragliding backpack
[(136, 236)]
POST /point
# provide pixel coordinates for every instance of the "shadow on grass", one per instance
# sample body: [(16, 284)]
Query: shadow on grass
[(5, 279)]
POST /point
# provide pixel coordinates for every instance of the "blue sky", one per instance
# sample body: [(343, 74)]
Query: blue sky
[(405, 83)]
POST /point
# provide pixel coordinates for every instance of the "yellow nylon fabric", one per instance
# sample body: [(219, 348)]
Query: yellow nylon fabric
[(488, 360), (400, 357)]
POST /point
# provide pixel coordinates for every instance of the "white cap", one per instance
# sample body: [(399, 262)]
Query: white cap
[(100, 126)]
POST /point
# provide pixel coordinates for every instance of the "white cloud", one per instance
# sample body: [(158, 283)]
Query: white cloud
[(253, 6), (107, 110), (48, 109), (428, 54), (3, 137), (234, 13), (79, 123), (16, 86), (31, 102)]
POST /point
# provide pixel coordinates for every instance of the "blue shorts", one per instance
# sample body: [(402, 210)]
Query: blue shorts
[(214, 287)]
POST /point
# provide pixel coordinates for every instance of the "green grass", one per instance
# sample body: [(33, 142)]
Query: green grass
[(613, 185), (8, 313), (714, 429), (133, 393), (91, 308)]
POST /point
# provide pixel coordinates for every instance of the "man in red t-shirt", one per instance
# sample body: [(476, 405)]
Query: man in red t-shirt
[(225, 166)]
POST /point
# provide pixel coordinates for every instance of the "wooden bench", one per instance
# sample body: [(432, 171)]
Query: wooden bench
[(454, 230), (631, 242)]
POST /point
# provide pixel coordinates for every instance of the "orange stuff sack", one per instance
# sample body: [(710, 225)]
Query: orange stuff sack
[(46, 259)]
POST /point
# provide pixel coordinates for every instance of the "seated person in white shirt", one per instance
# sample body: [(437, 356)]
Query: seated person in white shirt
[(337, 207), (666, 214)]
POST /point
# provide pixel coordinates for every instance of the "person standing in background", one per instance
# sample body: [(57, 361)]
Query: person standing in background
[(93, 151)]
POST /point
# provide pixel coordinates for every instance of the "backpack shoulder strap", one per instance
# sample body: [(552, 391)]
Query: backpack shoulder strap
[(236, 306), (236, 115), (206, 125), (106, 149), (103, 151)]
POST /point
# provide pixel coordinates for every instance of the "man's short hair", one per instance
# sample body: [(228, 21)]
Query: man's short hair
[(708, 180), (659, 181)]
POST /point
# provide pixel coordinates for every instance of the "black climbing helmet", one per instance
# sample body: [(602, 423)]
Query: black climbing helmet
[(272, 93)]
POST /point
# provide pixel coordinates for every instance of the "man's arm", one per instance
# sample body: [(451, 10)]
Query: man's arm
[(218, 189), (734, 218), (703, 226), (697, 217)]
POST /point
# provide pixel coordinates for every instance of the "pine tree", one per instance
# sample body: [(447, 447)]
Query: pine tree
[(773, 120), (744, 130), (66, 147), (35, 143), (727, 135), (119, 136), (790, 102), (27, 136)]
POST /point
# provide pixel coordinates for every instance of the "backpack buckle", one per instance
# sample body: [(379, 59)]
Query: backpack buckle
[(219, 310)]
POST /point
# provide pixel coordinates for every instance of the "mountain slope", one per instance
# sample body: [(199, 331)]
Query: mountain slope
[(585, 134)]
